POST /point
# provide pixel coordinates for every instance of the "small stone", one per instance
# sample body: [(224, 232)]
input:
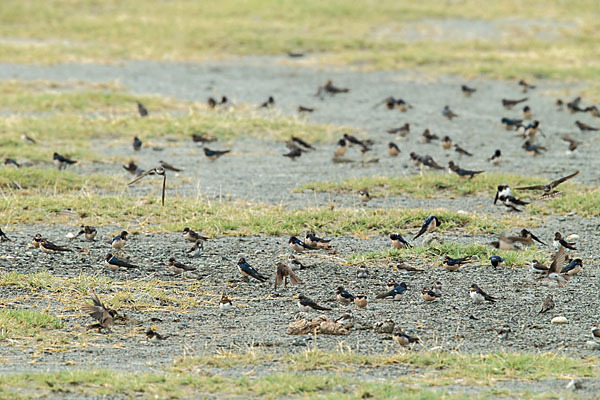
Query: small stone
[(592, 344), (559, 320), (574, 385), (338, 388)]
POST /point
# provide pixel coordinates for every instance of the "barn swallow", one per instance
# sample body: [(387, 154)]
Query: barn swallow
[(212, 103), (572, 268), (496, 158), (214, 154), (344, 319), (428, 136), (573, 105), (3, 237), (547, 304), (538, 268), (533, 149), (559, 260), (28, 139), (402, 338), (114, 263), (50, 248), (429, 225), (298, 245), (463, 173), (89, 232), (573, 144), (344, 296), (353, 140), (201, 138), (269, 103), (315, 241), (529, 130), (510, 124), (504, 195), (398, 241), (192, 236), (528, 238), (179, 268), (196, 249), (331, 89), (453, 264), (361, 300), (295, 264), (362, 272), (502, 190), (168, 166), (341, 148), (559, 241), (402, 105), (446, 143), (143, 111), (403, 131), (527, 114), (62, 161), (364, 195), (395, 292), (428, 294), (104, 315), (37, 239), (467, 91), (302, 109), (548, 190), (152, 335), (133, 169), (119, 241), (428, 161), (508, 104), (293, 153), (479, 295), (406, 269), (525, 86), (11, 163), (585, 127), (137, 143), (448, 113), (559, 104), (225, 303), (282, 274), (593, 111), (248, 271), (390, 284), (160, 171), (462, 151), (496, 261), (302, 143), (224, 100), (306, 304)]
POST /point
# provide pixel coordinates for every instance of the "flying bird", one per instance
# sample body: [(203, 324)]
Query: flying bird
[(283, 272), (548, 189), (104, 315), (160, 171)]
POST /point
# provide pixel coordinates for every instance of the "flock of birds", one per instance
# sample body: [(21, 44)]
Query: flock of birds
[(560, 269)]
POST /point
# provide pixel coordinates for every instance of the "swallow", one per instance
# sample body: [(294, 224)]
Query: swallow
[(462, 151), (214, 154), (525, 86), (572, 268), (298, 245), (407, 269), (428, 161), (573, 144), (593, 111), (119, 241), (11, 163), (302, 143), (3, 237), (224, 100), (429, 225), (61, 161), (496, 158), (496, 261), (573, 105), (529, 130), (133, 169), (200, 138), (28, 139), (585, 127), (559, 104), (282, 274), (437, 288), (353, 140), (344, 296), (179, 268), (511, 124), (269, 103), (89, 232), (402, 105), (559, 241), (225, 303), (505, 243), (390, 284), (453, 264), (394, 291), (143, 111), (37, 239), (596, 333), (364, 195), (248, 271), (315, 241), (448, 113), (527, 238), (341, 148), (344, 319), (160, 171), (212, 103), (446, 143), (362, 272), (533, 149), (467, 91), (527, 114), (306, 304), (538, 268), (302, 109), (50, 248), (398, 241), (361, 300), (168, 166), (479, 295), (547, 304), (463, 173), (508, 104), (548, 190), (428, 136), (559, 260), (104, 315), (331, 89), (403, 131), (114, 263), (151, 334), (137, 144), (196, 249), (403, 339), (293, 153), (428, 294)]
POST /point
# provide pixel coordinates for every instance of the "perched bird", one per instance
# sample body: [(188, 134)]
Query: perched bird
[(429, 225), (496, 158), (572, 268), (114, 263), (508, 104), (61, 161), (398, 241), (344, 319), (467, 91), (133, 169), (160, 171), (361, 300), (315, 241), (142, 110), (403, 339), (248, 271), (168, 166), (192, 236), (479, 295), (529, 130), (179, 268), (298, 245), (453, 264), (89, 232), (37, 239), (362, 272), (302, 143), (538, 268), (269, 103), (214, 154), (446, 143), (533, 149), (396, 291), (104, 315), (436, 288), (51, 248), (196, 249), (448, 113), (119, 241), (305, 109), (293, 153), (462, 151), (344, 296), (201, 138), (391, 284), (548, 189), (151, 334), (306, 304), (341, 148), (428, 294), (426, 160), (28, 139), (137, 144), (428, 136), (212, 103), (331, 89), (496, 261), (525, 86), (401, 131), (11, 163), (463, 173), (527, 238), (527, 114), (364, 196), (225, 303), (593, 110), (3, 237), (510, 124), (407, 269), (585, 127), (573, 105), (282, 274), (559, 241)]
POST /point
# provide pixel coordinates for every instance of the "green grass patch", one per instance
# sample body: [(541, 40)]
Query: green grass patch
[(28, 180), (20, 323)]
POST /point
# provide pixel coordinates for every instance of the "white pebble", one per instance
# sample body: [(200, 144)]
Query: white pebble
[(559, 320)]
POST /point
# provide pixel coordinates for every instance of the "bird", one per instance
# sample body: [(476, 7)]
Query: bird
[(28, 139), (453, 264), (573, 144), (192, 236), (525, 86), (362, 272), (406, 269), (298, 245), (510, 124), (446, 143), (196, 249), (283, 272), (401, 131), (559, 260), (179, 268), (573, 105), (428, 294), (270, 102), (398, 241), (538, 268), (293, 153), (225, 303), (436, 288), (104, 315), (301, 143), (114, 263), (529, 130), (426, 160), (527, 114), (467, 91), (496, 260), (248, 271), (479, 295), (3, 237), (559, 241), (214, 154), (341, 148), (533, 149), (463, 173), (593, 110), (429, 225), (585, 127), (151, 334), (143, 111), (212, 103), (201, 138), (391, 284), (559, 104), (119, 241), (306, 304), (315, 241), (364, 195), (305, 109), (331, 89), (462, 151), (509, 104), (344, 296), (361, 300), (137, 143), (573, 267), (89, 232), (496, 158), (396, 291), (344, 319), (448, 113), (50, 248), (548, 189), (61, 161), (403, 339), (11, 162), (168, 166), (160, 171), (133, 169), (547, 304), (526, 237), (428, 136)]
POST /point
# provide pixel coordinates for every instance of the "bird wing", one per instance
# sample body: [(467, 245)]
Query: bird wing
[(146, 173), (561, 180), (94, 311), (558, 261)]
